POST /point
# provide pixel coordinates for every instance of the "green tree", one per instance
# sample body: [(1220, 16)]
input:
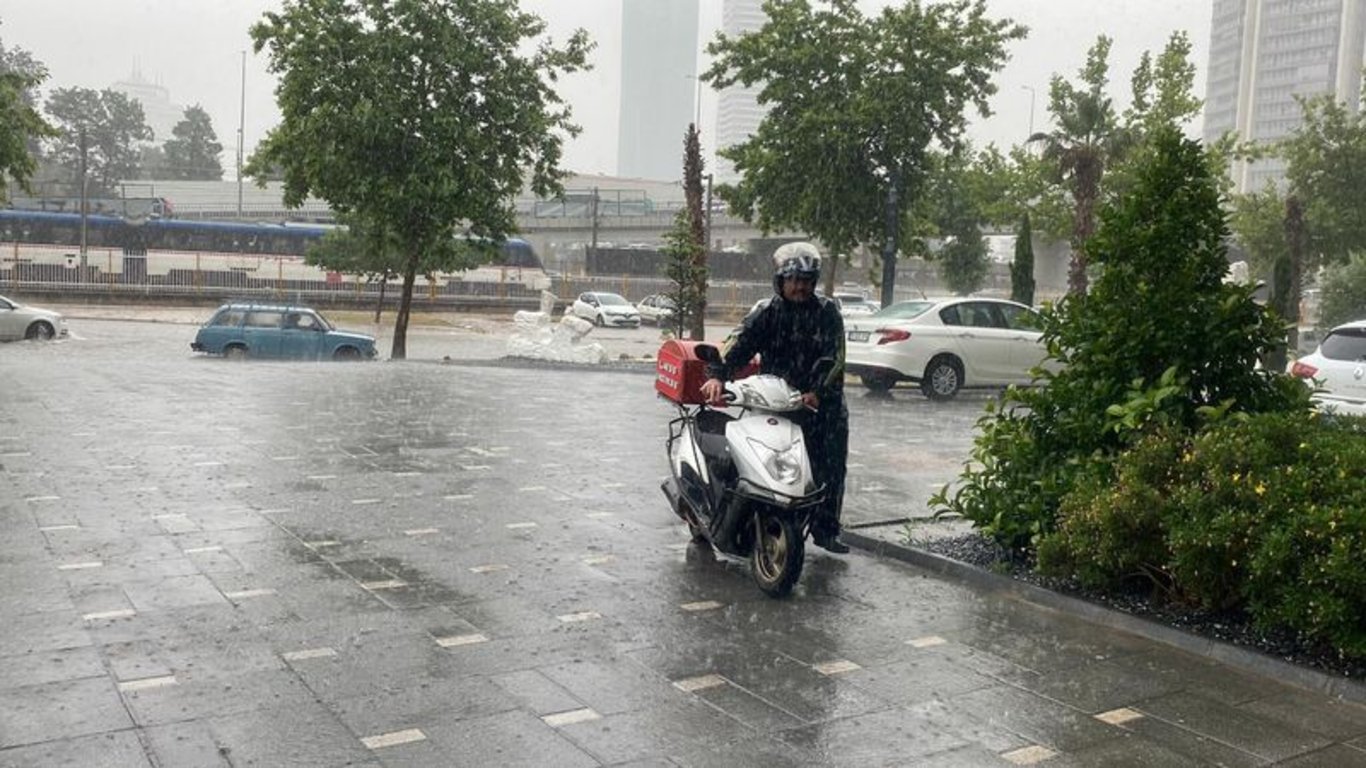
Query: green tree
[(193, 152), (21, 127), (697, 237), (367, 251), (854, 105), (1326, 168), (1257, 221), (681, 268), (1022, 267), (958, 190), (1091, 140), (152, 163), (425, 116), (1160, 339), (105, 129), (1343, 295), (1086, 137)]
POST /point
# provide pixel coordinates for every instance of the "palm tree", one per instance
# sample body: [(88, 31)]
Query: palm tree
[(1087, 139)]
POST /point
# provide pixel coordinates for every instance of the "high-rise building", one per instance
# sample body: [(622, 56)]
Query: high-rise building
[(738, 113), (1264, 53), (658, 86), (161, 114)]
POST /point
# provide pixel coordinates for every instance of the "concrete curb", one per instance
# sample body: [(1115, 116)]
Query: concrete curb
[(1244, 659)]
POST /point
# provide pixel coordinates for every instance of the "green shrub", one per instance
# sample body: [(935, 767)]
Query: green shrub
[(1159, 340), (1110, 533), (1265, 513)]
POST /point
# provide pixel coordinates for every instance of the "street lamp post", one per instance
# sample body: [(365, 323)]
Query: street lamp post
[(1030, 88), (241, 134)]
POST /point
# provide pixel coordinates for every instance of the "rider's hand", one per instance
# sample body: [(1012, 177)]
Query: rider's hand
[(712, 390), (811, 400)]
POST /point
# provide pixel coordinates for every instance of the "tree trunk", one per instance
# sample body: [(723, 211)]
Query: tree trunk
[(1085, 192), (379, 305), (400, 348), (891, 245), (1284, 293)]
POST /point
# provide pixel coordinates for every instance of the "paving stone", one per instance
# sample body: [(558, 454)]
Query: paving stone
[(512, 738), (115, 749), (48, 631), (537, 693), (61, 710), (39, 667), (1247, 731)]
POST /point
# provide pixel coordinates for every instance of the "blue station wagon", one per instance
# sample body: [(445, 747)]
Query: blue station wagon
[(239, 331)]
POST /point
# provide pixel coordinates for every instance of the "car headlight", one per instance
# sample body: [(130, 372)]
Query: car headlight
[(783, 466)]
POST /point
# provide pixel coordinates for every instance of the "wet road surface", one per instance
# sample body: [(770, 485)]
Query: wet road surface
[(424, 564)]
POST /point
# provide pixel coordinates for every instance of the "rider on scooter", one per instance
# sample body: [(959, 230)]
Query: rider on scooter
[(791, 333)]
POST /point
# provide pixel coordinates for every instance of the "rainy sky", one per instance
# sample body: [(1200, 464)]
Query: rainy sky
[(194, 49)]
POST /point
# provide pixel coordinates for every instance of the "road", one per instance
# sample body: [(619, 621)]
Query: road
[(428, 563)]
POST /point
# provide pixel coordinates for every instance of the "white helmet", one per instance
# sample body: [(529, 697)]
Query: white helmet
[(800, 260)]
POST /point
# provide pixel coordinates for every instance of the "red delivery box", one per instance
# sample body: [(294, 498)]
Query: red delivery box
[(679, 373)]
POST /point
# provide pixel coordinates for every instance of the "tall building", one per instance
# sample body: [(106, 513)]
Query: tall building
[(161, 114), (658, 86), (738, 113), (1264, 53)]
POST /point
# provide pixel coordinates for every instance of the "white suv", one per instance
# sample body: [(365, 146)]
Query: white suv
[(1338, 369)]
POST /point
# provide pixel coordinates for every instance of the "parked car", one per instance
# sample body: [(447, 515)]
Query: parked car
[(21, 321), (605, 309), (239, 331), (855, 304), (944, 345), (1338, 369), (656, 308)]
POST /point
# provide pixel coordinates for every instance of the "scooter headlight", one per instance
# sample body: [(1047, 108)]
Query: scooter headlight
[(783, 466)]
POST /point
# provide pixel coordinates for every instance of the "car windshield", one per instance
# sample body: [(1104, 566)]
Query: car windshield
[(322, 322), (612, 300), (904, 310)]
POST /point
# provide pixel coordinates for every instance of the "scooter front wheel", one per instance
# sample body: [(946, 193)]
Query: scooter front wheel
[(778, 555)]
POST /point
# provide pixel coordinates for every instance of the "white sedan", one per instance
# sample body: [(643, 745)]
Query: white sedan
[(1338, 369), (605, 309), (20, 321), (944, 345)]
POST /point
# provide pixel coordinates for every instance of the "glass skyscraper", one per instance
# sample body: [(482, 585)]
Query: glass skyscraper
[(737, 108), (1264, 53), (658, 87)]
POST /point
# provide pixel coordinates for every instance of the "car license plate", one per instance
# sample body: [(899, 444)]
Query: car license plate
[(857, 335)]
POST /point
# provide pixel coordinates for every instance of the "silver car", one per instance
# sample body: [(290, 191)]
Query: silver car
[(656, 309), (21, 321)]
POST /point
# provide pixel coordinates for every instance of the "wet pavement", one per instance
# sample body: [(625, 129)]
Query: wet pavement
[(445, 564)]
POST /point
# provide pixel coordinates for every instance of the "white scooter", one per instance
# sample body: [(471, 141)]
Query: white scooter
[(745, 484)]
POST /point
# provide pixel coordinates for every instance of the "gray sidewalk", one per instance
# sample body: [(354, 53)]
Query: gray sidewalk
[(385, 564)]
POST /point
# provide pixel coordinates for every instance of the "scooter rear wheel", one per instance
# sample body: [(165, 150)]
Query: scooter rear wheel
[(778, 555)]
